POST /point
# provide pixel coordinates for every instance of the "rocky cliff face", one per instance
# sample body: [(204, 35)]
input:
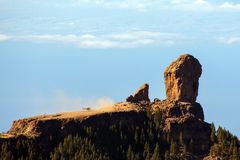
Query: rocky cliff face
[(48, 131), (181, 79), (180, 114), (140, 95), (187, 120)]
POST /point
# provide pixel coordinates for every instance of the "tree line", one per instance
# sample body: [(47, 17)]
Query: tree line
[(121, 140)]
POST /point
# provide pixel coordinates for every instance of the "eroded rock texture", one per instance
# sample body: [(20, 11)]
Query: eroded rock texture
[(187, 119), (181, 79), (140, 95)]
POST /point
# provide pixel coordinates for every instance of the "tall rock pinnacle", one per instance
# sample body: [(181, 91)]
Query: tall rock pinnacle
[(181, 79)]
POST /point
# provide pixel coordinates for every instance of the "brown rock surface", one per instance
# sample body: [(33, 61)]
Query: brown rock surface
[(46, 128), (35, 126), (187, 119), (140, 95), (181, 79)]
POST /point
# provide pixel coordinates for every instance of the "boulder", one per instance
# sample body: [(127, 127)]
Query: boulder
[(140, 95), (182, 79)]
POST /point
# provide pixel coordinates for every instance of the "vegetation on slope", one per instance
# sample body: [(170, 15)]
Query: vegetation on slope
[(122, 140)]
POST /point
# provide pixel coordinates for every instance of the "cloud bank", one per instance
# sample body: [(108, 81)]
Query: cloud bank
[(145, 5), (229, 40), (4, 37), (119, 40), (139, 5)]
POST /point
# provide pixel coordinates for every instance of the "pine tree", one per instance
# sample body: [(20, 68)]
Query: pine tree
[(146, 150), (156, 153), (213, 133), (137, 157), (220, 135), (5, 153), (130, 154), (166, 155), (184, 148), (136, 137), (191, 145), (235, 154), (181, 141), (148, 156), (168, 138), (173, 149), (142, 137)]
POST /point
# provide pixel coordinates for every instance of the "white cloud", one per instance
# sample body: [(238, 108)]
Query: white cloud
[(201, 2), (229, 40), (175, 1), (231, 6), (60, 101), (120, 40), (144, 5), (140, 5), (4, 37), (197, 5)]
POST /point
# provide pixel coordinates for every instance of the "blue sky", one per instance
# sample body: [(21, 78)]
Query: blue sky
[(62, 55)]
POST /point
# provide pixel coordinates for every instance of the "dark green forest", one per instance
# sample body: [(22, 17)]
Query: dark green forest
[(123, 141)]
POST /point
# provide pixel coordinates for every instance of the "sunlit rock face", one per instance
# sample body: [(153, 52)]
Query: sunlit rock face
[(140, 95), (182, 79)]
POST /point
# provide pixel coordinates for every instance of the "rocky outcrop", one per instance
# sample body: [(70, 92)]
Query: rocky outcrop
[(179, 109), (179, 114), (177, 118), (186, 119), (140, 95), (181, 79)]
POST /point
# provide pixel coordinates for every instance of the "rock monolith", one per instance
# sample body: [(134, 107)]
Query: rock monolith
[(182, 79)]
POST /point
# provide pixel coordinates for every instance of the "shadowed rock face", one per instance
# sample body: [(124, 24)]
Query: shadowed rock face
[(140, 95), (181, 79)]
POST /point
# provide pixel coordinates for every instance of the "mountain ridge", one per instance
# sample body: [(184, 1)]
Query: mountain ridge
[(175, 125)]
